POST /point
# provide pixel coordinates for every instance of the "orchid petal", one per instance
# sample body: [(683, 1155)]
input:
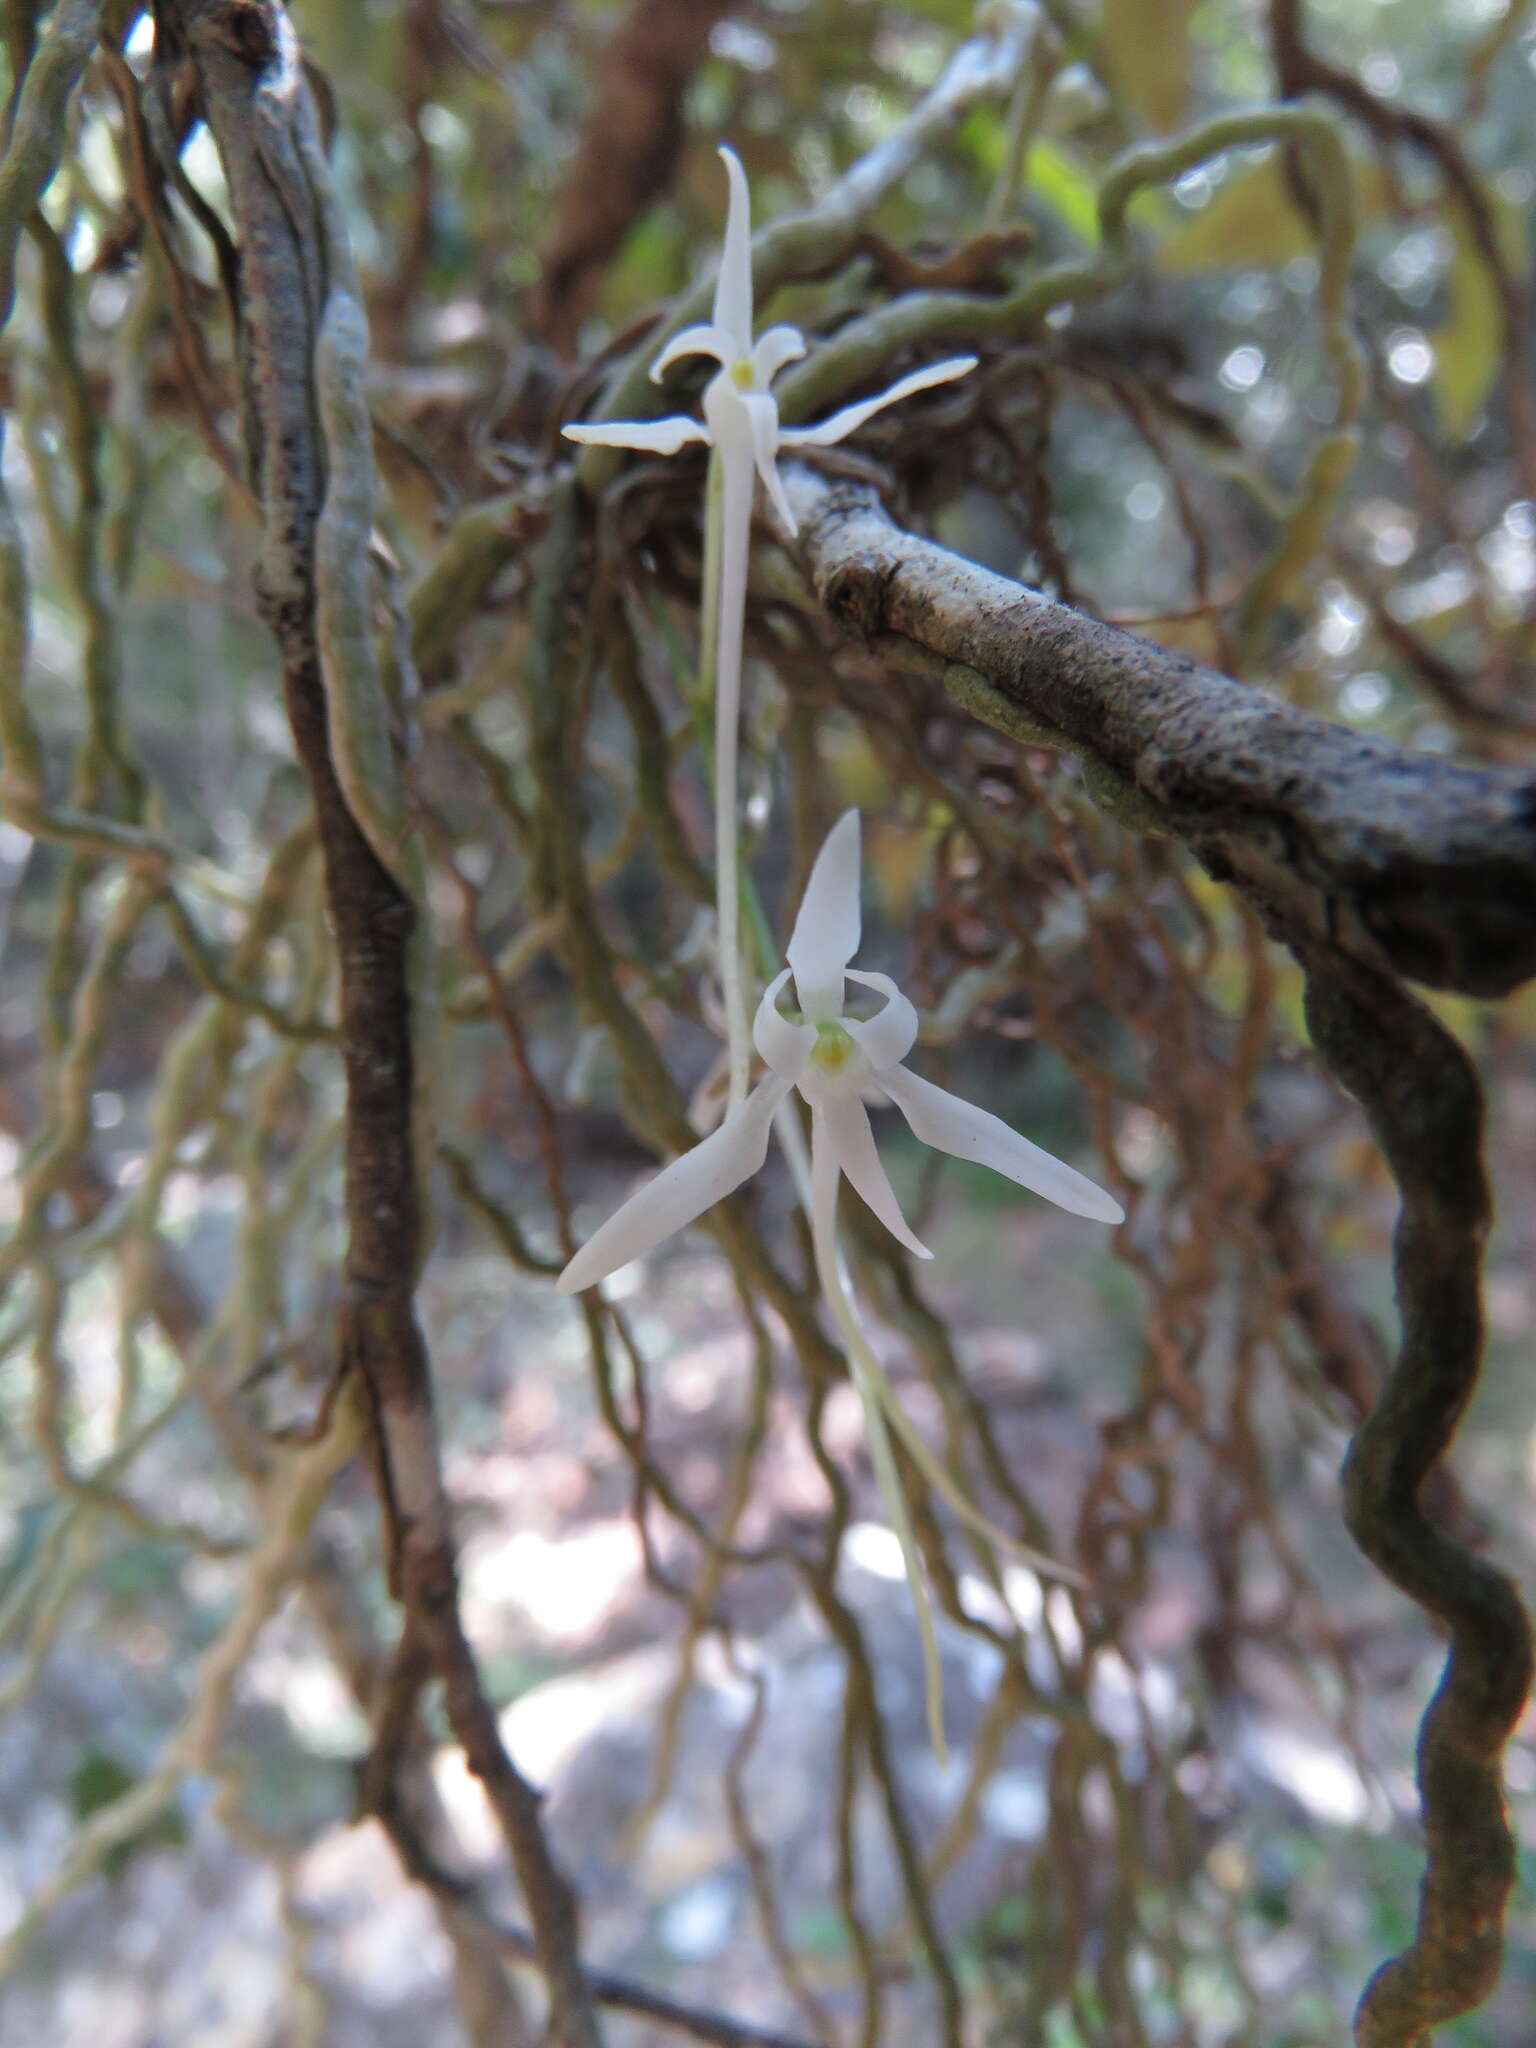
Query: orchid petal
[(763, 413), (733, 286), (886, 1038), (852, 417), (785, 1047), (826, 933), (842, 1123), (950, 1124), (680, 1192), (703, 340), (657, 437), (775, 347)]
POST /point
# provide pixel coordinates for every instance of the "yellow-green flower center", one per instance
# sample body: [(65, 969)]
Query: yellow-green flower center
[(833, 1049), (743, 376)]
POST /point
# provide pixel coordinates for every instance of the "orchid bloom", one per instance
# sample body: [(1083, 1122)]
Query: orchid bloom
[(835, 1061), (741, 416), (741, 426)]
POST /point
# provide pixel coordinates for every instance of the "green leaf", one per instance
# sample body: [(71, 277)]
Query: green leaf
[(1468, 341), (1252, 223), (1147, 48), (100, 1781), (1069, 194)]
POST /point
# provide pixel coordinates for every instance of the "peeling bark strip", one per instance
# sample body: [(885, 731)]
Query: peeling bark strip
[(1406, 863), (300, 410), (1421, 1094)]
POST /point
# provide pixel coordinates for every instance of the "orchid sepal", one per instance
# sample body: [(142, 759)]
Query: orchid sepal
[(948, 1123), (851, 417), (829, 923), (653, 437), (733, 283), (694, 1182)]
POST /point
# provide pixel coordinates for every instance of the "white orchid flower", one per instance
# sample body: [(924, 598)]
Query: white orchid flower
[(836, 1062), (741, 426), (741, 415)]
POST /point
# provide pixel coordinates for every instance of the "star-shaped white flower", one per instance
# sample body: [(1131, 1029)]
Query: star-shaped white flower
[(741, 415), (836, 1062)]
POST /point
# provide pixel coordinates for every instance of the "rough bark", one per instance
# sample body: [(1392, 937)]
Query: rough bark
[(1403, 863)]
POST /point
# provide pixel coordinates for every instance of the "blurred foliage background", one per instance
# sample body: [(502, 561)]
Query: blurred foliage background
[(1180, 1810)]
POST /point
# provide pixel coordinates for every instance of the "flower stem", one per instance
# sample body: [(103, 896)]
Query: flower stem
[(727, 539)]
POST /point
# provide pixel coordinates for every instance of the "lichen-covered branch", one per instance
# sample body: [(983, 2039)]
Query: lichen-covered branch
[(1402, 862)]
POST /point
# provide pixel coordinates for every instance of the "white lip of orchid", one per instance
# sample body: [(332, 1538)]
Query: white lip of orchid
[(833, 1060)]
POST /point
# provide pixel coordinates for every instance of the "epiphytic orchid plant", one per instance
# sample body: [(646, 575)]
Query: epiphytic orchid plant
[(835, 1062), (741, 427)]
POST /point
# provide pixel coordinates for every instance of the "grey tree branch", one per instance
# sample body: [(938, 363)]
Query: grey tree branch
[(1405, 863)]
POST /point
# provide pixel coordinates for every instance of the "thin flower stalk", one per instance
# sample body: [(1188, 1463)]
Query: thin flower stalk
[(741, 428)]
